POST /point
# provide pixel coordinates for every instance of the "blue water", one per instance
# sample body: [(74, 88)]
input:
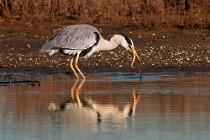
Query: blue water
[(170, 106)]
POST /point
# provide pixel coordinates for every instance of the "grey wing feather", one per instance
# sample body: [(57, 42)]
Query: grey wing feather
[(73, 37)]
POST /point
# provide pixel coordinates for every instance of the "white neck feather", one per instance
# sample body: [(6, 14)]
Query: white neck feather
[(103, 44), (106, 45), (115, 41)]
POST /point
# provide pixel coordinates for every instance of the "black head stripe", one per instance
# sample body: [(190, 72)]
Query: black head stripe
[(127, 39)]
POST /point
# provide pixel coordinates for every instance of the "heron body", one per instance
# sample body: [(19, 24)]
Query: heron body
[(83, 40)]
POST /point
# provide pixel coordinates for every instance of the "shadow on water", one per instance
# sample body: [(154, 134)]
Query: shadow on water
[(16, 79), (20, 83)]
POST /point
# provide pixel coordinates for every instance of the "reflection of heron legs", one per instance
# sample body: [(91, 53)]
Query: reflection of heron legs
[(72, 89), (136, 98), (77, 93), (77, 89), (76, 66)]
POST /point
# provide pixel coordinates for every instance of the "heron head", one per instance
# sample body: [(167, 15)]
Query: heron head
[(128, 45)]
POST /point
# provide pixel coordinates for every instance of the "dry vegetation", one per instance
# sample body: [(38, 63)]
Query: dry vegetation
[(147, 14)]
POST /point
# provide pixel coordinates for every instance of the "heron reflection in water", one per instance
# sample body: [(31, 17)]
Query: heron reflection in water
[(96, 108)]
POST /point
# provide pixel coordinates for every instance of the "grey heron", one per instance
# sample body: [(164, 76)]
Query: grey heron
[(83, 40)]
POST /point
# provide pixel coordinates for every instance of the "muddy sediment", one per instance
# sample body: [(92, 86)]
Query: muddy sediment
[(160, 50)]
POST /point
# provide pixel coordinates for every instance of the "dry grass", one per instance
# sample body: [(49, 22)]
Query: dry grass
[(147, 14)]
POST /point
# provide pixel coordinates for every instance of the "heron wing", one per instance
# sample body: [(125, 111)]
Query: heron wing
[(73, 37)]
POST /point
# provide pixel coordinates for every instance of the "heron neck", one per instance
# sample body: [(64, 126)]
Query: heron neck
[(107, 45)]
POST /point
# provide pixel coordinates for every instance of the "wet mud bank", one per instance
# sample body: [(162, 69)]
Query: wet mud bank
[(160, 50)]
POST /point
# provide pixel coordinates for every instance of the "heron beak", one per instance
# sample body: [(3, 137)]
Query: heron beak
[(135, 55)]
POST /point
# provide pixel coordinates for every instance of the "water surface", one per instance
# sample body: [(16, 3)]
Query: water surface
[(105, 106)]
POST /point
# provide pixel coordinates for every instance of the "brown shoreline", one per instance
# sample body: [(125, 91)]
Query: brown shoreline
[(161, 51)]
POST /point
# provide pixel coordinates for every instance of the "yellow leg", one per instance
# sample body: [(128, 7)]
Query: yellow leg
[(71, 66), (76, 66)]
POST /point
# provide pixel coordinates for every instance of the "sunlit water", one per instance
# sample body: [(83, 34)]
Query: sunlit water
[(105, 106)]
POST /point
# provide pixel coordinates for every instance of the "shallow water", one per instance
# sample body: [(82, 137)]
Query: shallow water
[(105, 106)]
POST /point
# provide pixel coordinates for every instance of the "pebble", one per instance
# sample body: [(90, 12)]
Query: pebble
[(207, 59), (28, 46)]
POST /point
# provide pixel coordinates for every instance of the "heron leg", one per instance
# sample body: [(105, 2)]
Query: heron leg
[(76, 66), (71, 66)]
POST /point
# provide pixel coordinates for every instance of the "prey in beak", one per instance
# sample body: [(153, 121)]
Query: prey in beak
[(135, 55)]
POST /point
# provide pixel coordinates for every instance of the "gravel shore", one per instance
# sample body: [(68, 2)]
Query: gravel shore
[(160, 50)]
